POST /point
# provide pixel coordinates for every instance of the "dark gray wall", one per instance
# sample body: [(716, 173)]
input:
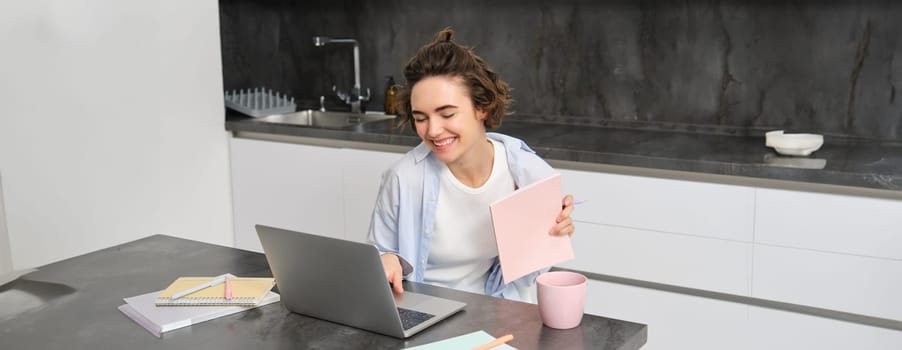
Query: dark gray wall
[(716, 66)]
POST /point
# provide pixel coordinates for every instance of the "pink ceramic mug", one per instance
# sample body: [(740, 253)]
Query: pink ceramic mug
[(562, 298)]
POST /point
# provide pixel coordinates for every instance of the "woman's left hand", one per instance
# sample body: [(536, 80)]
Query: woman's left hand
[(564, 225)]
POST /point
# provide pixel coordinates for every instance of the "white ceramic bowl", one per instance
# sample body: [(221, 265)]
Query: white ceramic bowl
[(793, 144)]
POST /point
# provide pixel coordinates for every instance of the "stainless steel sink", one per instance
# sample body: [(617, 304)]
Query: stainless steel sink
[(329, 120)]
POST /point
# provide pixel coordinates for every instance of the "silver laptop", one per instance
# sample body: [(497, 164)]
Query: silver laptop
[(343, 282)]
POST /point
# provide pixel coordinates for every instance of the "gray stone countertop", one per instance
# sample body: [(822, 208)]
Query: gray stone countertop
[(72, 304), (868, 165)]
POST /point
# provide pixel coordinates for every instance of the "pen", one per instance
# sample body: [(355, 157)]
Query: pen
[(577, 202), (228, 292), (496, 342), (216, 281)]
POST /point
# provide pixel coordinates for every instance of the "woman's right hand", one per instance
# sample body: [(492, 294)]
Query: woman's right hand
[(392, 266)]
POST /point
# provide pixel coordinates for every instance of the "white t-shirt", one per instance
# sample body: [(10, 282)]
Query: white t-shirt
[(462, 247)]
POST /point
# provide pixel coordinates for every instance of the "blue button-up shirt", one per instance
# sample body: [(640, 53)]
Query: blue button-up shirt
[(404, 214)]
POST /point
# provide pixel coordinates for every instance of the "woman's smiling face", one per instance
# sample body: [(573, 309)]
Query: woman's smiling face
[(445, 118)]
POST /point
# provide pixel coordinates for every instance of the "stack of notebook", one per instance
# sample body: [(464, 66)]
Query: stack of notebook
[(159, 312), (244, 291)]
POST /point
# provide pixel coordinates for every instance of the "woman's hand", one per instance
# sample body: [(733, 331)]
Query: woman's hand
[(393, 273), (564, 225)]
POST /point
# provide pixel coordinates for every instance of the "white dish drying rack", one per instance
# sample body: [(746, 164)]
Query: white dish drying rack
[(259, 102)]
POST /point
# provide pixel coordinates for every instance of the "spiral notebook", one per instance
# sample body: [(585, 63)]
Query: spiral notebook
[(159, 320), (246, 291)]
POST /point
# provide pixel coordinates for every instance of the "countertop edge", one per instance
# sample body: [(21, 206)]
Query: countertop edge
[(813, 180)]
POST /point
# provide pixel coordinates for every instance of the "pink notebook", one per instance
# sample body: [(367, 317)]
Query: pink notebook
[(522, 221)]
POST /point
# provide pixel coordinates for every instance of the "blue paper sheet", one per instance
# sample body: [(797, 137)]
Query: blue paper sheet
[(466, 341)]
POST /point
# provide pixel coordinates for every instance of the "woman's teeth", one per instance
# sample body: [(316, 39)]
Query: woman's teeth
[(444, 142)]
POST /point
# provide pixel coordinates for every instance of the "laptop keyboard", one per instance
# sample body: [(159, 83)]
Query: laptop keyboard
[(410, 318)]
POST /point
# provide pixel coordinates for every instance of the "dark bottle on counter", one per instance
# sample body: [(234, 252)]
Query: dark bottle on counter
[(391, 91)]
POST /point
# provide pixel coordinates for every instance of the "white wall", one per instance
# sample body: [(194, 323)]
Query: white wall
[(111, 126), (195, 196), (6, 262)]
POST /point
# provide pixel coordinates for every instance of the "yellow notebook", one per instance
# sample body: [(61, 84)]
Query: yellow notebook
[(246, 291)]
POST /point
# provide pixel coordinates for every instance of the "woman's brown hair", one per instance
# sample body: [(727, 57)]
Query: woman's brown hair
[(444, 57)]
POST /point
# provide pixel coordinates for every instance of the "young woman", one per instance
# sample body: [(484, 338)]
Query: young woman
[(431, 220)]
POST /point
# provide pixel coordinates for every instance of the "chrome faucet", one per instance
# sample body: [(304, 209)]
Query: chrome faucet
[(355, 98)]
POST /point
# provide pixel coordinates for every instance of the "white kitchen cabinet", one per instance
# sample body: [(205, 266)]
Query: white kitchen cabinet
[(675, 321), (830, 222), (782, 330), (827, 251), (689, 261), (286, 185), (673, 206), (835, 252), (361, 176), (678, 321), (855, 284)]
